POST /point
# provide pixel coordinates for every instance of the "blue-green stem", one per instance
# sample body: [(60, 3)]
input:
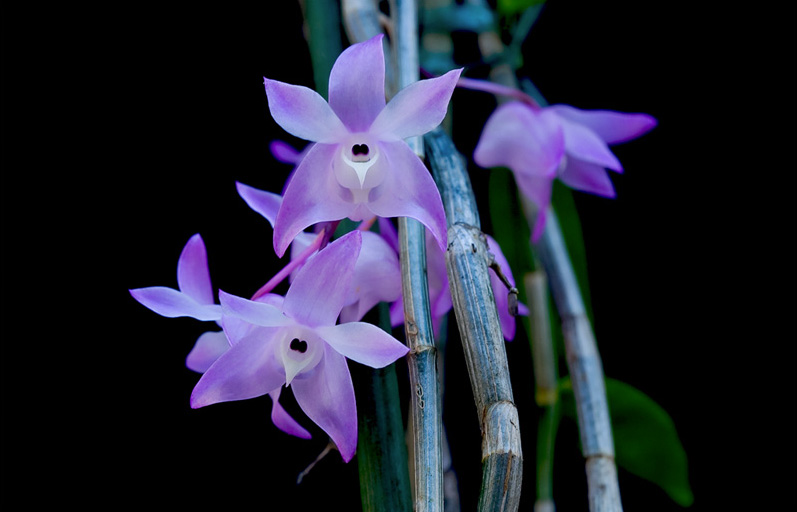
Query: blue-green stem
[(467, 264), (381, 450)]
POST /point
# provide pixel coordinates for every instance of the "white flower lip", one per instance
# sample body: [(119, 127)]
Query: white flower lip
[(301, 352), (359, 166)]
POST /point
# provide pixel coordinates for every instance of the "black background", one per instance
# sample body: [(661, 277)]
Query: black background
[(126, 127)]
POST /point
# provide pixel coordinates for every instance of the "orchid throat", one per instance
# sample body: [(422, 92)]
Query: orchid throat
[(360, 157)]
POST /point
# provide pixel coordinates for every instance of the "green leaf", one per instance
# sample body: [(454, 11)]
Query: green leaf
[(381, 450), (646, 441), (507, 7)]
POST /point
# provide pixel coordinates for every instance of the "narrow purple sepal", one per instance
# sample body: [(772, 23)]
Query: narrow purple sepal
[(312, 196), (303, 112), (207, 349), (326, 395), (284, 152), (248, 369), (410, 191), (376, 278), (171, 303), (282, 420), (584, 144), (193, 277), (587, 177), (253, 312), (611, 126), (417, 109), (365, 343), (319, 289), (357, 84), (265, 203)]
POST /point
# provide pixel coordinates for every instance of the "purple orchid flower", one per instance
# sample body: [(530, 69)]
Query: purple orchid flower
[(299, 344), (359, 166), (195, 299), (194, 296), (377, 275), (560, 141)]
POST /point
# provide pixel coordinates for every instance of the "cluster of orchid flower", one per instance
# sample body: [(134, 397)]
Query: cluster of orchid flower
[(359, 167)]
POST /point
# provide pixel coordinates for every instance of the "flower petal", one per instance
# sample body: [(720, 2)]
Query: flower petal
[(282, 420), (312, 196), (388, 231), (171, 303), (284, 152), (357, 84), (265, 203), (365, 343), (437, 278), (208, 347), (376, 278), (303, 112), (611, 126), (318, 291), (538, 190), (193, 277), (247, 370), (418, 108), (526, 140), (326, 395), (584, 144), (508, 324), (256, 313), (587, 177), (409, 191)]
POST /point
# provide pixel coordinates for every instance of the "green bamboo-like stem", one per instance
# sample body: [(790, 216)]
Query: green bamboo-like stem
[(546, 440), (546, 387), (381, 451), (546, 378), (322, 29), (467, 261)]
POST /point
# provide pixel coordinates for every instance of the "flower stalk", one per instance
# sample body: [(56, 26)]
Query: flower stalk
[(280, 276), (468, 260), (584, 364)]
